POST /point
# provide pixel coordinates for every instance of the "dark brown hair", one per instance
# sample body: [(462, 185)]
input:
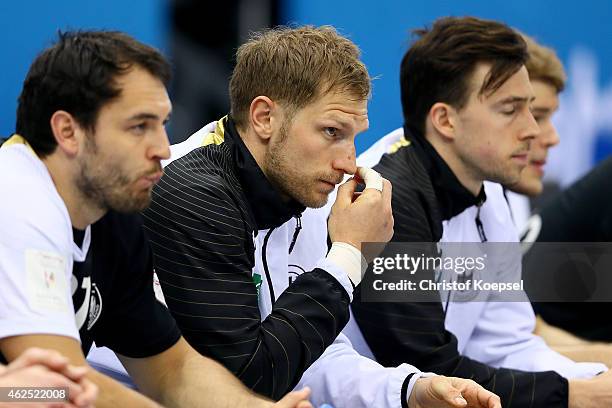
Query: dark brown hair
[(440, 63), (78, 74)]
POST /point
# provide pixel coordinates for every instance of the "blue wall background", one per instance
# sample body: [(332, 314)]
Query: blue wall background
[(29, 26), (580, 32)]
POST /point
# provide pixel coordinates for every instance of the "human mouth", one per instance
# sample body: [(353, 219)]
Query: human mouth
[(328, 184), (538, 165), (333, 179), (150, 180), (521, 158)]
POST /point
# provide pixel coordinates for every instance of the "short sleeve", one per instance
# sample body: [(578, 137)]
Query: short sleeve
[(35, 251), (137, 325)]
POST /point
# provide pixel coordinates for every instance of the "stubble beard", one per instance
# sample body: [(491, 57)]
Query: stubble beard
[(284, 176), (107, 190)]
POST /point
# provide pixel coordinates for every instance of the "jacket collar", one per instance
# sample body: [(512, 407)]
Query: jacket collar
[(267, 205), (453, 198)]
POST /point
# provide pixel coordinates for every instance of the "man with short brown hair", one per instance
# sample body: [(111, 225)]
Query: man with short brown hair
[(466, 98), (242, 271)]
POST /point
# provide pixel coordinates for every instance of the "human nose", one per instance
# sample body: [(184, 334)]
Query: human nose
[(346, 160)]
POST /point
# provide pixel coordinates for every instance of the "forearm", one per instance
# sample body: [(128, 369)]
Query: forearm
[(601, 353), (579, 395), (271, 356), (555, 336), (112, 394), (201, 382)]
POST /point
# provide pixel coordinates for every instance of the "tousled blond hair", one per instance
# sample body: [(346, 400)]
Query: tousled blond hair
[(544, 64), (294, 66)]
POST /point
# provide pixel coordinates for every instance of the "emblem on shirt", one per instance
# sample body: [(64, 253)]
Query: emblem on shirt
[(257, 281), (90, 307), (95, 307), (45, 280), (294, 271)]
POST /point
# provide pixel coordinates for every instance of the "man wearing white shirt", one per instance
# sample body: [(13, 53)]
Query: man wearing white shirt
[(466, 100)]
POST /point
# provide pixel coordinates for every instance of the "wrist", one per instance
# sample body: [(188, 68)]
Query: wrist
[(350, 259), (577, 392), (417, 381), (412, 399)]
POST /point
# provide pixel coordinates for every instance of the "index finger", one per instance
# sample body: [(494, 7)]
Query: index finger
[(371, 178), (475, 394), (33, 356), (88, 395), (387, 190), (344, 196)]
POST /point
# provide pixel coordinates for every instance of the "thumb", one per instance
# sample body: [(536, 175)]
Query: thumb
[(294, 398), (444, 390), (346, 190)]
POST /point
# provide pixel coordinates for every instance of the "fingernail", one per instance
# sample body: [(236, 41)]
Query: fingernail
[(461, 401)]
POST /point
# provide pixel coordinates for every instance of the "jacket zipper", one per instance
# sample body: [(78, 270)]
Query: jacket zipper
[(298, 228), (483, 238), (479, 226), (265, 265)]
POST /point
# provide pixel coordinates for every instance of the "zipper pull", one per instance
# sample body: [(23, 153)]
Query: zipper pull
[(298, 227), (479, 226)]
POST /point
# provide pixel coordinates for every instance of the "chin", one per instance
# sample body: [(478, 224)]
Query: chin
[(317, 201), (531, 188), (132, 204)]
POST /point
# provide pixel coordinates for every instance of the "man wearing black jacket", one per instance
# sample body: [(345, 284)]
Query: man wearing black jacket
[(466, 101), (233, 253)]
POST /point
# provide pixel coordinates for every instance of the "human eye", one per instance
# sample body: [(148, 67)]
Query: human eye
[(540, 115), (331, 132), (509, 110), (139, 128)]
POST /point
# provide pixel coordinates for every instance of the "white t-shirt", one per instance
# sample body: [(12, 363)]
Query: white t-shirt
[(36, 248)]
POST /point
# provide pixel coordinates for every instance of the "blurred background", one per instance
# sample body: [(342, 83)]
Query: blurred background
[(200, 38)]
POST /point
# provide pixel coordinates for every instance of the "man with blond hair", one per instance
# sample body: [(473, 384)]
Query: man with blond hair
[(578, 214), (547, 78), (237, 261)]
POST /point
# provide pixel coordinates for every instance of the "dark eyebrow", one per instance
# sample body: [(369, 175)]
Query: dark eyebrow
[(515, 99), (146, 115)]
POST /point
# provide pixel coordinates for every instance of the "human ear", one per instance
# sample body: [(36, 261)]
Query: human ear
[(443, 118), (261, 115), (66, 132)]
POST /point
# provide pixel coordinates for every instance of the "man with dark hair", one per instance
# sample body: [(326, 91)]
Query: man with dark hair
[(466, 100), (74, 267), (242, 270)]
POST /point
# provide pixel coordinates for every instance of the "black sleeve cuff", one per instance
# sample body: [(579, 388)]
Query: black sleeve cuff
[(332, 283), (405, 391)]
